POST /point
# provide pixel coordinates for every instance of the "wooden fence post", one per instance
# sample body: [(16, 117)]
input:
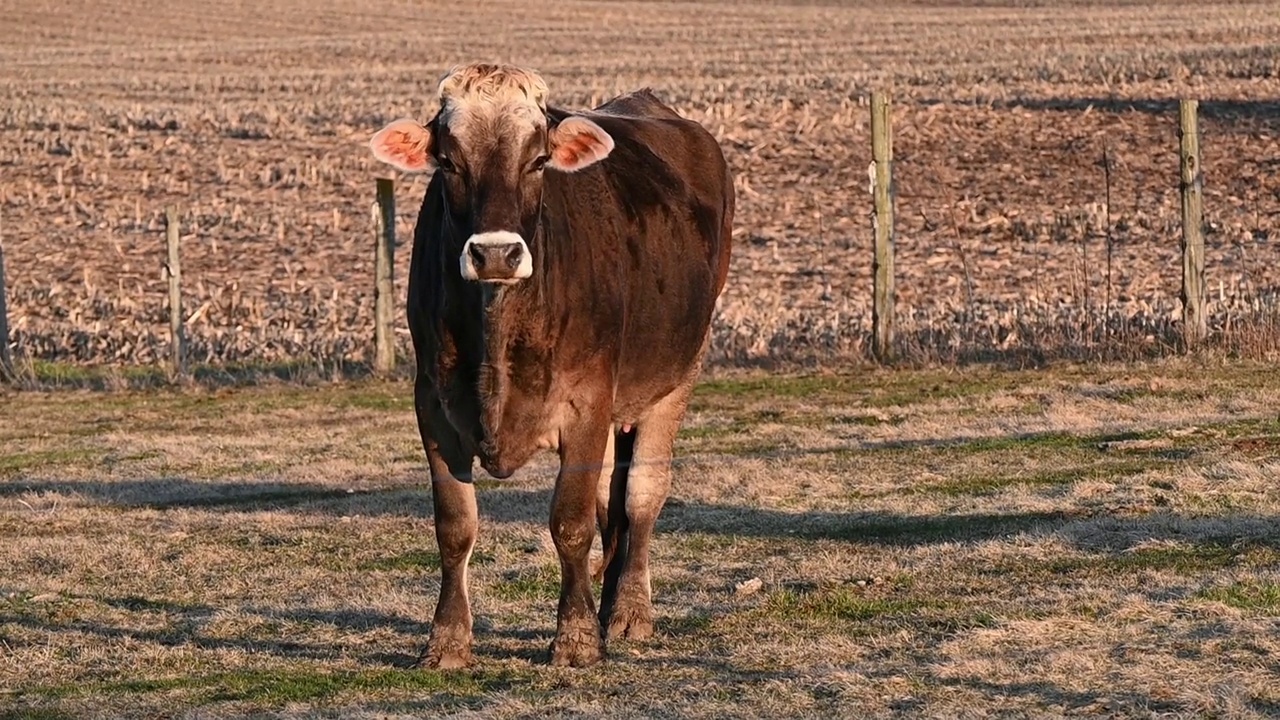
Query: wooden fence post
[(174, 271), (6, 360), (1194, 323), (384, 224), (882, 224)]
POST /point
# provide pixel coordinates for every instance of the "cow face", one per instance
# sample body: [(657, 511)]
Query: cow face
[(492, 142)]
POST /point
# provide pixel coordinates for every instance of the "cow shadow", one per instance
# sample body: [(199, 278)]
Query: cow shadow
[(1044, 694), (505, 504), (526, 499), (1092, 530), (187, 627), (529, 502)]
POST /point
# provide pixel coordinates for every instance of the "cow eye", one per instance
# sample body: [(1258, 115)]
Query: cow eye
[(447, 165), (538, 163)]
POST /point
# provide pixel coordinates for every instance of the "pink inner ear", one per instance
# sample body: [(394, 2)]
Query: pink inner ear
[(573, 153), (403, 144), (578, 143)]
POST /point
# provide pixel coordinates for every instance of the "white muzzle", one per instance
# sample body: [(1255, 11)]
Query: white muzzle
[(496, 257)]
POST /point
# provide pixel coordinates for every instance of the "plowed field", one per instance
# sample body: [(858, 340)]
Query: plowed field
[(254, 119)]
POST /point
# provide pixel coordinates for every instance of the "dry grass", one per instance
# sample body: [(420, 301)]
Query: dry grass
[(255, 122), (1092, 541)]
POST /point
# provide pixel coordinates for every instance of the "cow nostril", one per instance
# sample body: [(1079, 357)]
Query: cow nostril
[(477, 255), (514, 255)]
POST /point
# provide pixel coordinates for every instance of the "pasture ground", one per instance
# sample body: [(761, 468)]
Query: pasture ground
[(1095, 541)]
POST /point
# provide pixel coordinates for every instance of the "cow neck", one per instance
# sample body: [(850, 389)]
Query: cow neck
[(494, 380), (513, 319)]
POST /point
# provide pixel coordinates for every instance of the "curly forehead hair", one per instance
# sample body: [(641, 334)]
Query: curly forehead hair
[(492, 83)]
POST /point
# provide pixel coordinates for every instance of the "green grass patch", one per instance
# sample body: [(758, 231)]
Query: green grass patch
[(871, 389), (538, 583), (1220, 503), (133, 457), (693, 623), (766, 388), (242, 469), (1189, 559), (925, 529), (1254, 428), (27, 461), (714, 430), (412, 560), (1069, 445), (697, 543), (734, 444), (868, 420), (43, 374), (838, 604), (58, 373), (258, 541), (749, 448), (255, 499), (1250, 596), (744, 529), (875, 614), (1050, 441), (979, 485), (378, 399), (34, 713), (53, 374), (138, 603), (748, 421), (278, 687)]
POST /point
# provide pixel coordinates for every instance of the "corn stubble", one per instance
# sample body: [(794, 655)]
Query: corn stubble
[(255, 125)]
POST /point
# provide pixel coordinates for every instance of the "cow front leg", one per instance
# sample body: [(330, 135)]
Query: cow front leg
[(578, 640), (457, 525), (629, 613)]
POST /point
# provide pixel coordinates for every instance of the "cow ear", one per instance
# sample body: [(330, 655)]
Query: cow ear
[(405, 145), (576, 143)]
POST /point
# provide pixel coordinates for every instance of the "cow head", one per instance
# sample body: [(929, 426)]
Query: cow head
[(492, 141)]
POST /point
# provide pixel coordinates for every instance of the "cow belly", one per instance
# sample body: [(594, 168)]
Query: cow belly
[(666, 332)]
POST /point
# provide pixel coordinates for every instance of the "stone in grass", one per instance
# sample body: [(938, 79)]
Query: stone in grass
[(748, 587)]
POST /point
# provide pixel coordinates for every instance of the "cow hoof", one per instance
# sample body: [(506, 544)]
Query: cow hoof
[(446, 654), (633, 622), (577, 649)]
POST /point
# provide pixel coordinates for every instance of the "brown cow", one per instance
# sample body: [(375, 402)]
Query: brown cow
[(565, 270)]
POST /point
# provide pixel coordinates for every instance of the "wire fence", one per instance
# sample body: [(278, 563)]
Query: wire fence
[(990, 289)]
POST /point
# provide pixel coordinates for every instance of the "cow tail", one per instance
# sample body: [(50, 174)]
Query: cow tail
[(726, 231)]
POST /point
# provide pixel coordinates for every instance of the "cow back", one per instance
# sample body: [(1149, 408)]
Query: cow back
[(645, 235)]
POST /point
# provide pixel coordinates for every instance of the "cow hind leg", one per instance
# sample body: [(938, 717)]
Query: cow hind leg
[(611, 512), (630, 613)]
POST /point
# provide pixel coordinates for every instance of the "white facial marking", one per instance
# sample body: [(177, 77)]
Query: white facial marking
[(500, 238)]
